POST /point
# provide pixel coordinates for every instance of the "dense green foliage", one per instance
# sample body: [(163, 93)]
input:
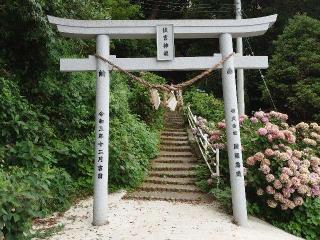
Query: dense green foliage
[(47, 118), (294, 73), (28, 143), (133, 143), (204, 104), (26, 194)]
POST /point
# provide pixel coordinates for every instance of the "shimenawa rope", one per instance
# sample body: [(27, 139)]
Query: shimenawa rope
[(167, 87)]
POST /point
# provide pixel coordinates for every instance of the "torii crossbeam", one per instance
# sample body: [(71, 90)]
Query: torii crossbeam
[(165, 31)]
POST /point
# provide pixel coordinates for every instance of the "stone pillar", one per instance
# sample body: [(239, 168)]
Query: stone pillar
[(100, 201), (233, 132), (240, 72)]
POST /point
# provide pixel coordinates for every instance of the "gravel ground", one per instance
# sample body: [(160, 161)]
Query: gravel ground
[(159, 220)]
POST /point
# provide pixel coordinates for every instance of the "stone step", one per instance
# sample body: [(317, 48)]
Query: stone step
[(170, 196), (175, 134), (178, 118), (175, 154), (169, 180), (174, 138), (173, 121), (179, 114), (175, 130), (174, 143), (175, 148), (173, 166), (176, 160), (154, 187), (174, 126), (173, 174)]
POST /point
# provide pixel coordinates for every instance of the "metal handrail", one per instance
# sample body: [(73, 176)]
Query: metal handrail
[(204, 146)]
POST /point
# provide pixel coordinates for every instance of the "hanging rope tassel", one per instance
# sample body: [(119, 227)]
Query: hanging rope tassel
[(155, 98), (172, 102)]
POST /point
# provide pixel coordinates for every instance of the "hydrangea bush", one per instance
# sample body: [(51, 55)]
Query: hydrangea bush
[(282, 162)]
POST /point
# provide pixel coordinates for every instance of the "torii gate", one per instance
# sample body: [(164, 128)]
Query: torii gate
[(165, 31)]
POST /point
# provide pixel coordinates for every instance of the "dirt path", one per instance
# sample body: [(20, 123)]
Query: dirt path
[(160, 220)]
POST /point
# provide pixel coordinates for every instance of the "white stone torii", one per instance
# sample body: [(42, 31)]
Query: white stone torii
[(104, 30)]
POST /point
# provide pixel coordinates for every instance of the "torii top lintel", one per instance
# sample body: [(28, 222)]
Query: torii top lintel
[(139, 29)]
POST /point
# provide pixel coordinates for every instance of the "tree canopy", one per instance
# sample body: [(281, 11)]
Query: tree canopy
[(294, 73)]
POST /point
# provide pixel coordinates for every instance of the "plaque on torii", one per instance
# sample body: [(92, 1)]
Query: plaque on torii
[(105, 30)]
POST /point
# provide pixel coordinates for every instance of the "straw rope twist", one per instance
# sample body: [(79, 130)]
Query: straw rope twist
[(167, 87)]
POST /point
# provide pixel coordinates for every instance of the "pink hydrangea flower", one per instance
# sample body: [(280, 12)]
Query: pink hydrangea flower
[(265, 169), (221, 125), (292, 139), (291, 205), (259, 156), (260, 192), (269, 152), (315, 191), (272, 203), (270, 177), (254, 120), (315, 161), (286, 192), (265, 119), (303, 189), (296, 160), (287, 171), (214, 137), (259, 114), (220, 146), (304, 177), (298, 201), (278, 197), (306, 163), (277, 184), (262, 131), (284, 156), (281, 135), (270, 190), (251, 161), (242, 118), (265, 161), (314, 179), (194, 131), (295, 182), (293, 167), (284, 177)]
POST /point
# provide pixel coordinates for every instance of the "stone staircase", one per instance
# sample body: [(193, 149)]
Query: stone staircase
[(172, 175)]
